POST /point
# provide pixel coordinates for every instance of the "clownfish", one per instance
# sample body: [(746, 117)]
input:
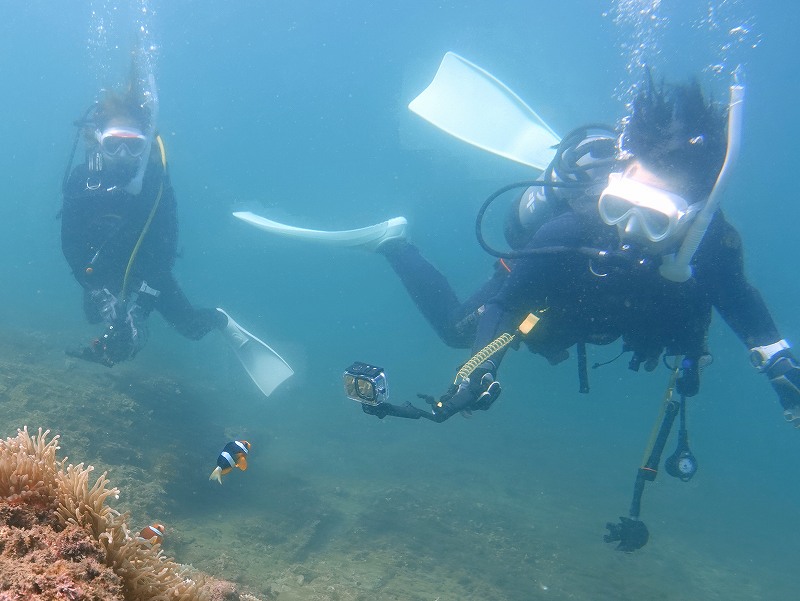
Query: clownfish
[(233, 455), (152, 534)]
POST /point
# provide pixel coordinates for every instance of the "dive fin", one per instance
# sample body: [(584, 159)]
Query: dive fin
[(472, 105), (369, 238), (264, 366)]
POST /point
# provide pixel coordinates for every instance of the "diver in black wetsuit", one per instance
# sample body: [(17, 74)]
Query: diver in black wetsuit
[(592, 260), (119, 228), (620, 238)]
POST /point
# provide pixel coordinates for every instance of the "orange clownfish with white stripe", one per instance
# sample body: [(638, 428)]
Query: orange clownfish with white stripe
[(233, 455), (152, 534)]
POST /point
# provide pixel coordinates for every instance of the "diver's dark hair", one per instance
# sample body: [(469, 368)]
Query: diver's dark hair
[(672, 129)]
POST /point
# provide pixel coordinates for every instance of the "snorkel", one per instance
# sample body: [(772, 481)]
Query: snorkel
[(677, 267), (150, 102)]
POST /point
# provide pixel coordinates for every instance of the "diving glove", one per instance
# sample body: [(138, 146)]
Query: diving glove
[(101, 305), (120, 341), (783, 372), (478, 392)]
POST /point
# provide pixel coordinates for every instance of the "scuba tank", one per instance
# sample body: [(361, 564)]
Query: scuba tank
[(583, 160)]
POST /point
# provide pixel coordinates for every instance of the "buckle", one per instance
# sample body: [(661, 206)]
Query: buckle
[(145, 289)]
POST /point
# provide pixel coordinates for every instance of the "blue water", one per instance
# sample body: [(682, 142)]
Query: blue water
[(298, 111)]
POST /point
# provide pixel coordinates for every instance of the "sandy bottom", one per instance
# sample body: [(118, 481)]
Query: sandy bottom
[(293, 529)]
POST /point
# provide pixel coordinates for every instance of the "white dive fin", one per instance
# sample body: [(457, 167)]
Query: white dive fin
[(366, 237), (470, 104), (266, 367)]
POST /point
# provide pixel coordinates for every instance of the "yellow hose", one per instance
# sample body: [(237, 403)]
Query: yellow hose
[(495, 346), (124, 293), (482, 355)]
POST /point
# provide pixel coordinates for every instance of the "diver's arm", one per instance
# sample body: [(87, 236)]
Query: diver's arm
[(407, 411), (522, 291), (738, 302), (477, 392), (743, 309), (515, 294), (75, 243)]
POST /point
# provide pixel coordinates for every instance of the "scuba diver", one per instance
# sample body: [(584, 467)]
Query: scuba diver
[(620, 238), (595, 242), (119, 227)]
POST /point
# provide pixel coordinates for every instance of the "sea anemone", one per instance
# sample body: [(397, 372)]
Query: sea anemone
[(31, 476)]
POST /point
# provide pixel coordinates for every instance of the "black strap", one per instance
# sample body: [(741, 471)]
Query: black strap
[(583, 374)]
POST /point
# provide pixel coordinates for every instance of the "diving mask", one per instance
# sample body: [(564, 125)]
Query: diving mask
[(640, 205), (116, 141)]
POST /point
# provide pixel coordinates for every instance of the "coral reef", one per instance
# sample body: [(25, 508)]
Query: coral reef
[(40, 559), (59, 539)]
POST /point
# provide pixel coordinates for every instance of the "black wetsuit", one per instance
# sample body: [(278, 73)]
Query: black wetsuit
[(100, 226), (586, 299)]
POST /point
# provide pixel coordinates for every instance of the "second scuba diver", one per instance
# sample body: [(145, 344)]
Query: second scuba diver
[(119, 227)]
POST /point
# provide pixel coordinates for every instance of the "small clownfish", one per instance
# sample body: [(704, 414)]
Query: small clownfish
[(152, 534), (233, 455)]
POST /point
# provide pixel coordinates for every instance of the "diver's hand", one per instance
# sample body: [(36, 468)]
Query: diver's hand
[(478, 392), (113, 346), (380, 410), (92, 353), (105, 305), (406, 410), (631, 534), (117, 343), (783, 372), (123, 339)]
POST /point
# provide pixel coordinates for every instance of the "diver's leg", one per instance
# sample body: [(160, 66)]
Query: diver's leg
[(434, 296), (191, 322)]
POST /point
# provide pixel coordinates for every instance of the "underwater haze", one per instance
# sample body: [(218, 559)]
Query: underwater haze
[(298, 111)]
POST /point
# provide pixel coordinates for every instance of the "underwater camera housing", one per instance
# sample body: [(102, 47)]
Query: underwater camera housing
[(366, 384)]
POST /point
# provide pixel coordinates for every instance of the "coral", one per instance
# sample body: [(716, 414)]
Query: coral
[(59, 539), (39, 562)]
